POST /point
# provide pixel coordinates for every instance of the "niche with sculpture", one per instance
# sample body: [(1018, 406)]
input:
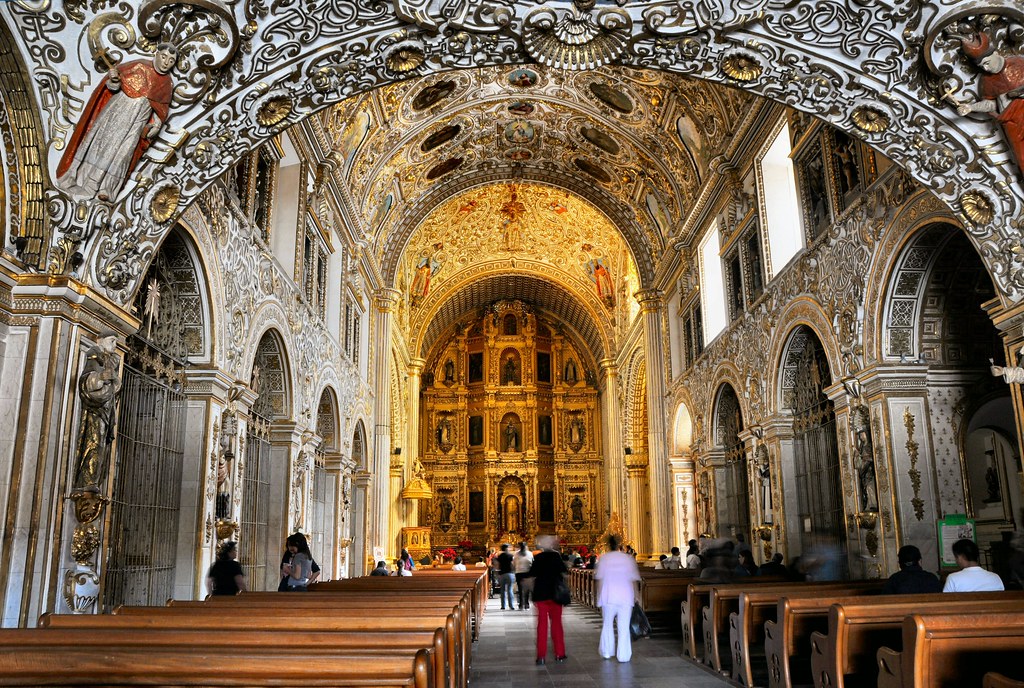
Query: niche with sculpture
[(511, 433)]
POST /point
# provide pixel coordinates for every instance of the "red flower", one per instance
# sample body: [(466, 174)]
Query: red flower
[(466, 544), (448, 553)]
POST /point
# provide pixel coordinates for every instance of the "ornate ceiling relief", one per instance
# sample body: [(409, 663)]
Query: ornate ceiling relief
[(244, 73)]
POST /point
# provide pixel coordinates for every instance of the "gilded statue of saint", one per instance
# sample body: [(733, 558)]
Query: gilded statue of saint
[(98, 386)]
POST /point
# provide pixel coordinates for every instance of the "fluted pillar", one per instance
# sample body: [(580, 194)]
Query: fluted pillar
[(384, 303), (612, 436), (412, 432), (651, 307), (638, 504)]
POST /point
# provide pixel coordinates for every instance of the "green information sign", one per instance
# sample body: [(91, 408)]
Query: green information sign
[(952, 528)]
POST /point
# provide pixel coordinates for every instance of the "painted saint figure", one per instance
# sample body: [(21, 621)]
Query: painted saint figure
[(124, 114), (1001, 88), (602, 281), (98, 387)]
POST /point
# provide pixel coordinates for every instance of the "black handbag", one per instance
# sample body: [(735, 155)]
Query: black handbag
[(562, 595)]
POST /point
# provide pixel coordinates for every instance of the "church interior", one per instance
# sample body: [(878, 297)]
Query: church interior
[(440, 276)]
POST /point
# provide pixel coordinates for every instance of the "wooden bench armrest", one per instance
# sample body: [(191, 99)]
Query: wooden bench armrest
[(890, 668), (997, 680)]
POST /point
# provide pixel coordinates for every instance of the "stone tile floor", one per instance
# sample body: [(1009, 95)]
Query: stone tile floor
[(504, 656)]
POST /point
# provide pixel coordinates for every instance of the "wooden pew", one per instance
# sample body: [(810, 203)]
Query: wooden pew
[(995, 680), (358, 603), (362, 635), (663, 591), (723, 601), (857, 629), (755, 607), (47, 657), (697, 594), (954, 650)]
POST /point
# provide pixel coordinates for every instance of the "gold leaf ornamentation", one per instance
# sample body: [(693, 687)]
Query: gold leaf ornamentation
[(84, 543), (914, 474), (274, 110), (742, 66), (164, 203), (405, 58), (977, 207), (870, 119)]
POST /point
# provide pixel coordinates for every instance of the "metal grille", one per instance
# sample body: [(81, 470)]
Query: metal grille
[(817, 456), (737, 502), (143, 539), (253, 523), (320, 520)]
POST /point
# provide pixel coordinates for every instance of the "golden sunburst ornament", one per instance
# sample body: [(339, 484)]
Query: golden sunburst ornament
[(405, 58), (164, 203), (977, 207), (742, 66), (870, 119), (274, 110)]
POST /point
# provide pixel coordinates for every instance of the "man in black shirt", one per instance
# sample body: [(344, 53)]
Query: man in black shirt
[(911, 578), (506, 576)]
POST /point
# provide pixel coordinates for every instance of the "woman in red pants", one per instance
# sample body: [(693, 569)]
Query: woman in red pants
[(548, 572)]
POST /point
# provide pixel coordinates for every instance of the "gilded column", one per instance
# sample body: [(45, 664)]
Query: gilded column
[(657, 450), (638, 521), (385, 301), (612, 435), (412, 433)]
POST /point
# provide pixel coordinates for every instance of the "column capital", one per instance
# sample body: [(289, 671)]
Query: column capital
[(650, 299), (416, 365), (608, 366), (386, 299)]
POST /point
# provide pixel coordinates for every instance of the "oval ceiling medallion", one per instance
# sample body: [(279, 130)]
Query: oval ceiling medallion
[(520, 132), (612, 97), (521, 108), (405, 58), (576, 41), (274, 110), (523, 78), (870, 119), (443, 168), (440, 137), (600, 139), (433, 94), (742, 66), (518, 154), (593, 169)]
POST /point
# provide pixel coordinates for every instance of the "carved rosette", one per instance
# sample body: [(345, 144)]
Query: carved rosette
[(870, 119), (576, 40), (977, 207)]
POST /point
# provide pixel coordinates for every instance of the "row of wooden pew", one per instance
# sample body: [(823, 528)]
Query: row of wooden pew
[(781, 634), (374, 631)]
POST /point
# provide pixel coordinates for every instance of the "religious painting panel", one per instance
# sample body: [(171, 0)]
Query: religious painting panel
[(476, 507), (476, 431), (813, 185), (543, 366), (547, 506), (544, 431), (476, 367)]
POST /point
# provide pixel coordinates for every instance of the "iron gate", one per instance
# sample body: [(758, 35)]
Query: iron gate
[(143, 536), (254, 521), (818, 478), (737, 499)]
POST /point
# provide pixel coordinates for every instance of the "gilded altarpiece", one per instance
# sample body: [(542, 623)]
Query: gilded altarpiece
[(509, 431)]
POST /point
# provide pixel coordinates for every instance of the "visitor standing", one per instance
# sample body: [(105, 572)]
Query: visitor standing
[(226, 576), (616, 575), (300, 569), (506, 576), (548, 573), (521, 564)]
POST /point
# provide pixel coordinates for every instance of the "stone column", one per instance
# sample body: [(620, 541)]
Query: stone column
[(612, 425), (657, 450), (380, 502), (412, 433), (638, 525)]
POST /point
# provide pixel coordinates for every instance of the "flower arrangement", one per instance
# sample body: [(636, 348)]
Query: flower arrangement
[(583, 551), (448, 553), (466, 544)]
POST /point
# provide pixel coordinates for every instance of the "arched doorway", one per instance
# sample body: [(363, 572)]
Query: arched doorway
[(323, 500), (356, 521), (734, 509), (820, 515), (256, 549)]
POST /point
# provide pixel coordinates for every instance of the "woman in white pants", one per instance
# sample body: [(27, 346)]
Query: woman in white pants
[(616, 575)]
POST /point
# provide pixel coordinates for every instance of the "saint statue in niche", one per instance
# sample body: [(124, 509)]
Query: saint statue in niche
[(511, 514), (444, 435), (124, 114), (764, 474), (576, 508), (571, 375), (510, 371), (511, 437), (445, 510), (449, 371), (98, 387), (865, 458)]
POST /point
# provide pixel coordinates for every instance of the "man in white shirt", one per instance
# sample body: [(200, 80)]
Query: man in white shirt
[(673, 562), (971, 577), (616, 575), (521, 564)]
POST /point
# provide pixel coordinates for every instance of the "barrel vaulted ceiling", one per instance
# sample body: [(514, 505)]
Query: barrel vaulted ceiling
[(606, 165)]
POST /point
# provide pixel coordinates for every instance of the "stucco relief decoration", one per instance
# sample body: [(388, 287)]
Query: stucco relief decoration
[(576, 38)]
